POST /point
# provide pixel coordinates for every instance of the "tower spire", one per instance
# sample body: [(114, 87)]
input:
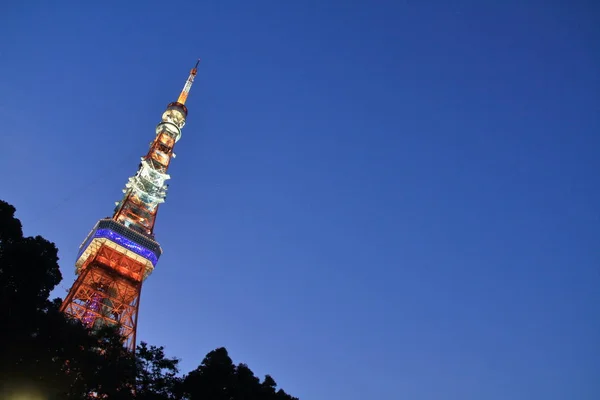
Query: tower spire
[(147, 189), (120, 252), (188, 84)]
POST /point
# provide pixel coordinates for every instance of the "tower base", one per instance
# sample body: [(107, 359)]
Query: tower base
[(102, 296)]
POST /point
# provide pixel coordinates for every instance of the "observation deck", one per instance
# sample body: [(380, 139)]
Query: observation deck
[(122, 239)]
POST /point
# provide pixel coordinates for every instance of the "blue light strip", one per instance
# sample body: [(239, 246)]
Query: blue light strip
[(128, 244), (121, 241)]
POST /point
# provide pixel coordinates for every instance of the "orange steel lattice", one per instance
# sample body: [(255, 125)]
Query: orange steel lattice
[(107, 292), (120, 252)]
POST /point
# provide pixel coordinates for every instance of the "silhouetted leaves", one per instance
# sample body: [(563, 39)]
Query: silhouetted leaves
[(10, 227), (156, 377), (42, 352), (217, 378)]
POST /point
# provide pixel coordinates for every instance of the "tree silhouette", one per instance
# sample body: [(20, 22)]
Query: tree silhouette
[(219, 379), (28, 272), (156, 377), (40, 348), (44, 353)]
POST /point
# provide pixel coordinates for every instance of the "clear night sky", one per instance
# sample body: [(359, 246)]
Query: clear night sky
[(371, 199)]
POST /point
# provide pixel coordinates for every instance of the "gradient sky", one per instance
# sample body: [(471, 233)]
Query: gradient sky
[(370, 200)]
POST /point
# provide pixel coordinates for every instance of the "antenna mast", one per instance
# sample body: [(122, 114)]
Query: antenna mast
[(188, 84)]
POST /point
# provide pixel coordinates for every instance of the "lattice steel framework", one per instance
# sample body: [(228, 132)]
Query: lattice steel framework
[(120, 252)]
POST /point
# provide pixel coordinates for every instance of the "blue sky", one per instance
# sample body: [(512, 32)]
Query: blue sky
[(386, 199)]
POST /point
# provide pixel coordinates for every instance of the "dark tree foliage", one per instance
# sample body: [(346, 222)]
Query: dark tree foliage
[(45, 355), (41, 351), (156, 377), (217, 378)]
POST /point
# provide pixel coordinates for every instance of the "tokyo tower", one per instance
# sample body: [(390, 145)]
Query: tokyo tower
[(121, 252)]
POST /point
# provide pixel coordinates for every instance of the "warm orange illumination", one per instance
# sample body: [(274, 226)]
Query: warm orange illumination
[(118, 280), (111, 269)]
